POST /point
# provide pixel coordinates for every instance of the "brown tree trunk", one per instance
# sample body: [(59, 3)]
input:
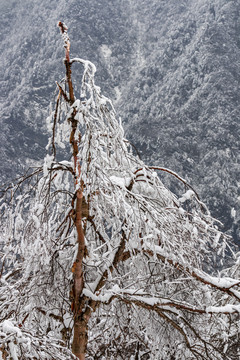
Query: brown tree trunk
[(80, 336)]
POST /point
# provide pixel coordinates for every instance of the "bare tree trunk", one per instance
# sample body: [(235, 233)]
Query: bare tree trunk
[(80, 336)]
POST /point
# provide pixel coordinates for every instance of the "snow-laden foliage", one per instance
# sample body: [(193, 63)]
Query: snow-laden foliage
[(149, 286)]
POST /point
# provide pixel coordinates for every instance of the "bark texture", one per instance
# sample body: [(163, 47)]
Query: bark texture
[(80, 335)]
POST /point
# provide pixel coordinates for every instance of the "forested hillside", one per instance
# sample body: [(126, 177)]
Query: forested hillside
[(172, 69)]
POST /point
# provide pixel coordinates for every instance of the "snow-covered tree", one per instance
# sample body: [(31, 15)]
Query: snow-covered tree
[(99, 260)]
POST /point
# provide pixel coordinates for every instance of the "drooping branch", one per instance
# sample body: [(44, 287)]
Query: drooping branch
[(176, 176), (118, 257), (223, 285)]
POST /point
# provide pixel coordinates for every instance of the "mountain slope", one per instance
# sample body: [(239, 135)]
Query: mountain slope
[(184, 102), (172, 69)]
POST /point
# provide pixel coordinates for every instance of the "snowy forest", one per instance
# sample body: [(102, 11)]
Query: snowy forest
[(107, 252)]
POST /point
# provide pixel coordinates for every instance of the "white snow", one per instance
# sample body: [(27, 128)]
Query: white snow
[(13, 352), (187, 196), (225, 283), (36, 221), (229, 308), (102, 298), (118, 93), (233, 213), (39, 208), (76, 104), (47, 164), (106, 51), (119, 181), (66, 163), (9, 328)]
